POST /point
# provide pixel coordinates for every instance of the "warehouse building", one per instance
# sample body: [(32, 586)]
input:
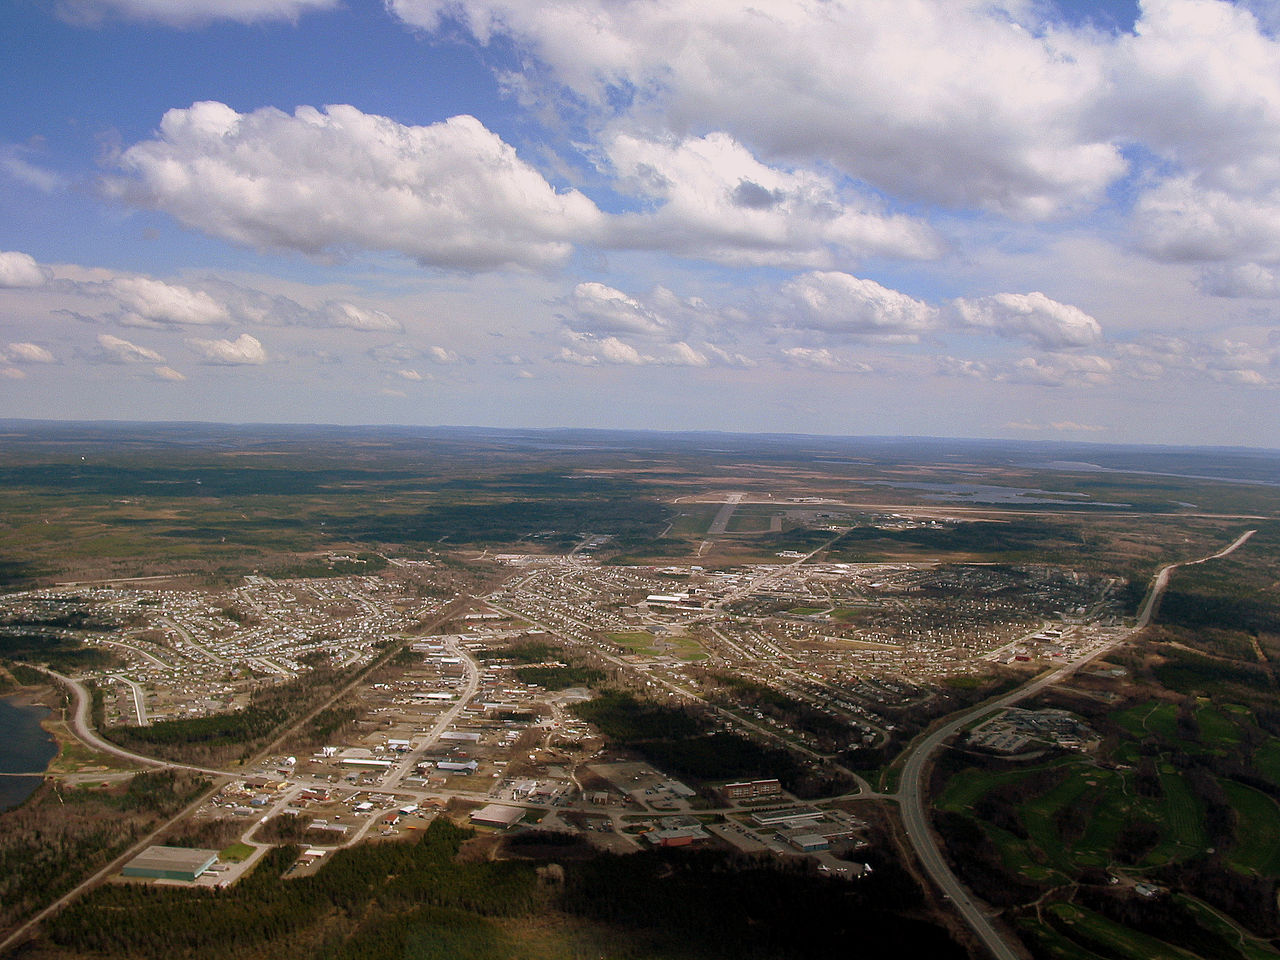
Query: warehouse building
[(750, 790), (170, 863), (498, 815)]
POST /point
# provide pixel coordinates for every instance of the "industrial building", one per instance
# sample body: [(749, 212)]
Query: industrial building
[(170, 863), (751, 790), (497, 815), (787, 816)]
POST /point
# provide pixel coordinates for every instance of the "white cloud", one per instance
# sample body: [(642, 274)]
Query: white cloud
[(1240, 280), (153, 303), (187, 13), (122, 351), (245, 349), (451, 194), (170, 374), (823, 359), (1181, 220), (12, 373), (591, 352), (843, 305), (348, 315), (20, 270), (1030, 316), (951, 101), (1221, 360), (603, 310), (1059, 426), (1052, 370), (716, 201), (14, 163), (28, 353), (408, 374), (438, 354), (1199, 83)]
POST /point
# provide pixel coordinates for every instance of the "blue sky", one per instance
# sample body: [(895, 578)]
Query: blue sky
[(963, 218)]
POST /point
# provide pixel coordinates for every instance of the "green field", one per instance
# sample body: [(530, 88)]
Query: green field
[(646, 644), (1258, 830), (236, 853), (1093, 931)]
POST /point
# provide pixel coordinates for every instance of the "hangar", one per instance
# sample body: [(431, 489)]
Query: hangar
[(170, 863)]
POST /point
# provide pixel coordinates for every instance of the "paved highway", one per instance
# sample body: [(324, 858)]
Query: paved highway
[(84, 731), (911, 794)]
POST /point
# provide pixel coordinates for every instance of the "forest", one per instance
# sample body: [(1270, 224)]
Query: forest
[(427, 898)]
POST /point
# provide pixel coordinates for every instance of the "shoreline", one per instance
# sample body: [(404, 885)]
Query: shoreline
[(24, 698)]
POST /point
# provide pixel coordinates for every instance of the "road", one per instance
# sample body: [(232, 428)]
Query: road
[(139, 698), (84, 731), (446, 719), (911, 794)]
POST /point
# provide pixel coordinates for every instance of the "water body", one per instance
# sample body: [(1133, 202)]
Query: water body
[(25, 748)]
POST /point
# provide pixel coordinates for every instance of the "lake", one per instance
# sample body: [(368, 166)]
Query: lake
[(25, 747)]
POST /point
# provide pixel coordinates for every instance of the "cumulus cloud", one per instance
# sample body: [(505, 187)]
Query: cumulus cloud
[(1052, 370), (118, 350), (952, 102), (169, 374), (846, 306), (1182, 221), (154, 303), (409, 374), (1030, 316), (602, 310), (1199, 82), (187, 13), (821, 358), (715, 201), (591, 352), (1240, 280), (244, 350), (1221, 360), (20, 270), (141, 301), (451, 194), (28, 353), (341, 314)]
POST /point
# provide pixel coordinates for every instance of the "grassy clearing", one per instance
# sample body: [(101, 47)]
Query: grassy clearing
[(1258, 830), (646, 644), (1134, 719), (1039, 814), (236, 853), (1050, 943), (968, 787), (1110, 939), (1267, 760), (1249, 946), (693, 519), (1181, 819), (1216, 728)]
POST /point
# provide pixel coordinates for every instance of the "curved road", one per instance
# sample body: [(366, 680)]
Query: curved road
[(911, 794), (85, 732)]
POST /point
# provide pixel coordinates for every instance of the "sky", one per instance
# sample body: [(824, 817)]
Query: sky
[(1036, 219)]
